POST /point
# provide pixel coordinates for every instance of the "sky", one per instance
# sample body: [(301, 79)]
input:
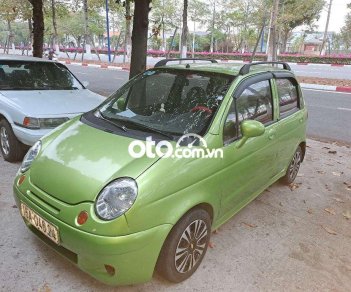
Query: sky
[(337, 15)]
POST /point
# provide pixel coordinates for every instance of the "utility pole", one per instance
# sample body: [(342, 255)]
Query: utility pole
[(108, 33), (272, 46), (326, 28)]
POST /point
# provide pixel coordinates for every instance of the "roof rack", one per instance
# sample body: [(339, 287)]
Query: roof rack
[(165, 61), (246, 68)]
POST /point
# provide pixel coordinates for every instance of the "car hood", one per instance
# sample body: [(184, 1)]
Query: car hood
[(77, 161), (48, 103)]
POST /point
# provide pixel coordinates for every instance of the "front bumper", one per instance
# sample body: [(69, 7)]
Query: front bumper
[(133, 256), (29, 136)]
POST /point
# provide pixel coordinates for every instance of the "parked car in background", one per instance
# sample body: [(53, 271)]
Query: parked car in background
[(119, 218), (37, 95)]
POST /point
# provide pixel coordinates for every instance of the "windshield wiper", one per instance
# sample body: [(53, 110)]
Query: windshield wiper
[(141, 126), (124, 128)]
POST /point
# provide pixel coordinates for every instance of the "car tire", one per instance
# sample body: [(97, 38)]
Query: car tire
[(293, 167), (11, 149), (185, 246)]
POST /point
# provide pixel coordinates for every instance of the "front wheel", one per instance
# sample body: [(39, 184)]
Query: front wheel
[(11, 149), (185, 246), (293, 167)]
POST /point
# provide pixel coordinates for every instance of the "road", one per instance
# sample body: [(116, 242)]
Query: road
[(329, 112), (312, 70)]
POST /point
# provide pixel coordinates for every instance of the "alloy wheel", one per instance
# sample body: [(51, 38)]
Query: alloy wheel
[(295, 165), (191, 246), (4, 140)]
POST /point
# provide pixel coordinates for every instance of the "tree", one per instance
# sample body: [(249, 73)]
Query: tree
[(197, 11), (164, 16), (185, 30), (345, 31), (9, 12), (326, 28), (139, 37), (38, 27), (295, 13), (54, 23)]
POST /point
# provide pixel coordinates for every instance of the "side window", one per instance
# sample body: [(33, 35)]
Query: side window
[(288, 96), (255, 103)]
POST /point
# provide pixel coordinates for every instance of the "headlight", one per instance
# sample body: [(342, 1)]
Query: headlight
[(43, 123), (30, 156), (116, 198)]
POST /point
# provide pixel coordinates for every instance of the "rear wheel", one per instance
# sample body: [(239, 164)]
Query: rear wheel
[(293, 167), (185, 246), (11, 149)]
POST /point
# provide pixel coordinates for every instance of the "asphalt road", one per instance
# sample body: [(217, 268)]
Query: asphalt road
[(329, 112), (311, 70)]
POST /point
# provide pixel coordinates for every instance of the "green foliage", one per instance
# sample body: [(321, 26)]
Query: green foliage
[(345, 32)]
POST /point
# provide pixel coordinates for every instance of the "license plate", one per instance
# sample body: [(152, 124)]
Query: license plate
[(41, 224)]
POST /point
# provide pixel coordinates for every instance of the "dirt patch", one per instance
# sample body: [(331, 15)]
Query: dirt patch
[(324, 81)]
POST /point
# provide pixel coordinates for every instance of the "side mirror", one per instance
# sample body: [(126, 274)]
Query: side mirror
[(85, 83), (121, 104), (250, 129)]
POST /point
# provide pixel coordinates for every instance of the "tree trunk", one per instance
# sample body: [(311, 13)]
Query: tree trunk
[(258, 40), (163, 27), (272, 50), (127, 39), (86, 22), (10, 37), (54, 24), (185, 31), (285, 40), (139, 37), (212, 25), (38, 27), (326, 29)]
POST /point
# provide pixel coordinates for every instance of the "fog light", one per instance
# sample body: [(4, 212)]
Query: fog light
[(82, 217), (21, 180), (110, 270)]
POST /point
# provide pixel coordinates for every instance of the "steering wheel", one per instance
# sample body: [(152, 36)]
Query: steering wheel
[(202, 109)]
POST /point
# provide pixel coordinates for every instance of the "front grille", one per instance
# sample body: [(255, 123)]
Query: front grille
[(36, 199)]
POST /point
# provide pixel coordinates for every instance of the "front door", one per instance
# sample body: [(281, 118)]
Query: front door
[(249, 168)]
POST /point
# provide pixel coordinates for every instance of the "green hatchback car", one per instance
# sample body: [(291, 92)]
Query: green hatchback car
[(138, 184)]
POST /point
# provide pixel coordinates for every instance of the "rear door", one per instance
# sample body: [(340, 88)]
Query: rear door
[(292, 118)]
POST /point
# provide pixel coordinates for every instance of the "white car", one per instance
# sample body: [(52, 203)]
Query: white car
[(37, 95)]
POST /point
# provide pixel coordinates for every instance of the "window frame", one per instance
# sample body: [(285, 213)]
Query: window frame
[(267, 76), (292, 79)]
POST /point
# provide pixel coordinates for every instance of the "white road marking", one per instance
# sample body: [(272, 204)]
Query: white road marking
[(344, 109), (330, 91), (331, 108)]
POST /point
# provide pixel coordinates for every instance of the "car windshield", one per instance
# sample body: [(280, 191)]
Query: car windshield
[(170, 101), (31, 75)]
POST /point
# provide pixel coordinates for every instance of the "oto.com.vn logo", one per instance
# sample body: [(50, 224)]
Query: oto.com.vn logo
[(188, 146)]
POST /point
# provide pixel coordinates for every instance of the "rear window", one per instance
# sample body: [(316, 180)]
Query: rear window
[(288, 95), (31, 75)]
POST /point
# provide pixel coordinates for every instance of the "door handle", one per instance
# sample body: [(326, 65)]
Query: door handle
[(271, 134)]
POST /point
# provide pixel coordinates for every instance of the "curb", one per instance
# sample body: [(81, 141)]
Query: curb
[(344, 89), (101, 66)]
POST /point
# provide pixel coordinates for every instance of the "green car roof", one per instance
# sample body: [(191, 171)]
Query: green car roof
[(230, 69)]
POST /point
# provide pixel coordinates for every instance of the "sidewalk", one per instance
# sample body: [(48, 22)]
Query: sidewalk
[(289, 238)]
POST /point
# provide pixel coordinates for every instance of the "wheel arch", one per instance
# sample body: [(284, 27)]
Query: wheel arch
[(303, 148)]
